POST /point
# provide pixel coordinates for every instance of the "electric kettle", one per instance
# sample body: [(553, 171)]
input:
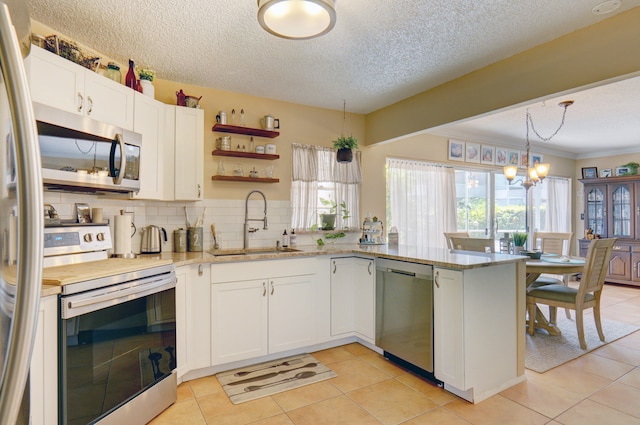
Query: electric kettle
[(152, 239)]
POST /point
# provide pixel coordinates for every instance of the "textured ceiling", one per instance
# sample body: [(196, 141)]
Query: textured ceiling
[(379, 52)]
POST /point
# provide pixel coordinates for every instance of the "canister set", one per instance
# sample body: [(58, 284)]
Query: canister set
[(224, 144)]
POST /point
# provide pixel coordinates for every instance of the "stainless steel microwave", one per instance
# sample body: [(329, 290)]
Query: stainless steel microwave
[(84, 155)]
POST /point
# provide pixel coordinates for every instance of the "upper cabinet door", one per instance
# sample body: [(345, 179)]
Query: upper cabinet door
[(108, 101), (596, 209), (149, 118), (60, 83), (189, 153), (56, 81), (621, 210)]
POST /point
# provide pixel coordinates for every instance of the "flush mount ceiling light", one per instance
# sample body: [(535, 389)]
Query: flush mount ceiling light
[(606, 7), (536, 172), (297, 19)]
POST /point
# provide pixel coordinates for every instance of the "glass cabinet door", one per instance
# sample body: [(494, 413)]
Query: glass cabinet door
[(595, 210), (621, 217)]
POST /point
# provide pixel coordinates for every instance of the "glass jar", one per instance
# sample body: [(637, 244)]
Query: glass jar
[(113, 72)]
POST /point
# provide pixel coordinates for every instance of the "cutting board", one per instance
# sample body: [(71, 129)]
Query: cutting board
[(73, 273)]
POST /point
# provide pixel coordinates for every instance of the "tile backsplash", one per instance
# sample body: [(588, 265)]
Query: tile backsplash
[(226, 214)]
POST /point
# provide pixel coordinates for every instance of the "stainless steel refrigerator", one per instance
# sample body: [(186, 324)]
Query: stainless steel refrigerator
[(21, 216)]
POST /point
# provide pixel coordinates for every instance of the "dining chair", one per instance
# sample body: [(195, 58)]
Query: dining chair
[(449, 235), (473, 244), (552, 243), (587, 295)]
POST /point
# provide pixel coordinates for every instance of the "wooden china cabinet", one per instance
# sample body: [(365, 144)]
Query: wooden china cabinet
[(612, 210)]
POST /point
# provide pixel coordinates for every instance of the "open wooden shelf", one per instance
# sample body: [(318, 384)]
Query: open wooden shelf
[(239, 154), (226, 128), (245, 179)]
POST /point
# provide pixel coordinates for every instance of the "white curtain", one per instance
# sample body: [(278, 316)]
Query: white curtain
[(422, 202), (313, 165), (557, 213)]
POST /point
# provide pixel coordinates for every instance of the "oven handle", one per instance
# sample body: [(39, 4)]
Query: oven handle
[(75, 307)]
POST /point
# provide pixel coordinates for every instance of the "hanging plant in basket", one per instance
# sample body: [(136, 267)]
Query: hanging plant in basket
[(344, 146)]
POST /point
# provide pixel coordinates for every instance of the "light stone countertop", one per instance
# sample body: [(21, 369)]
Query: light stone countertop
[(435, 256)]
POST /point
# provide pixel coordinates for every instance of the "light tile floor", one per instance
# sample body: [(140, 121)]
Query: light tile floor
[(602, 387)]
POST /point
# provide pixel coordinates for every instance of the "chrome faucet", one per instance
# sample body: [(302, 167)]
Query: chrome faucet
[(248, 229)]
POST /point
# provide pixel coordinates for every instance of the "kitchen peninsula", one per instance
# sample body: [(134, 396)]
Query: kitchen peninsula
[(229, 315)]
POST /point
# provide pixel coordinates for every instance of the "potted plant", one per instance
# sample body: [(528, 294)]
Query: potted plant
[(146, 79), (519, 239), (328, 221), (344, 146)]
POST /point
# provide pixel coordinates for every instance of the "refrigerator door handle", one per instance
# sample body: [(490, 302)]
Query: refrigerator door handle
[(30, 239)]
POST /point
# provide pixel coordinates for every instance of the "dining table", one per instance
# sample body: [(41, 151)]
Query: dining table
[(551, 264)]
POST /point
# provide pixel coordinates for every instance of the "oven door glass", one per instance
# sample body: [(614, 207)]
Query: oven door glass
[(111, 355)]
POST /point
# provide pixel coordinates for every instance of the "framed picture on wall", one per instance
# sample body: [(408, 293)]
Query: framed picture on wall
[(472, 152), (501, 156), (524, 159), (487, 154), (513, 158), (456, 150), (589, 172), (536, 158)]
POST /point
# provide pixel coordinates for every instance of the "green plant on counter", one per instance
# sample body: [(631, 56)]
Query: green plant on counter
[(348, 142), (519, 238), (330, 237), (146, 74)]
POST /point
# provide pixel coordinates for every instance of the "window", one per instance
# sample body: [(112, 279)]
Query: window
[(421, 202), (317, 176)]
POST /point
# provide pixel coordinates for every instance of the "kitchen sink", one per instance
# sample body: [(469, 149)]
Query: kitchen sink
[(251, 251)]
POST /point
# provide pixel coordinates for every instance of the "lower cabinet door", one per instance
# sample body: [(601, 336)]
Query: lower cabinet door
[(239, 320), (448, 327), (364, 287), (292, 312)]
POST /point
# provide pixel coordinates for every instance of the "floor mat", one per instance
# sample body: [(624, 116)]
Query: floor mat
[(260, 380)]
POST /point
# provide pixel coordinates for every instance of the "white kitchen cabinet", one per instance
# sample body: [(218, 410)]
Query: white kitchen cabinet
[(353, 297), (149, 115), (181, 320), (254, 316), (193, 314), (364, 272), (449, 327), (476, 330), (60, 83), (184, 132), (43, 376)]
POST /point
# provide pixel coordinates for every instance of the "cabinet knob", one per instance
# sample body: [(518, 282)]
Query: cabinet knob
[(81, 99), (264, 288), (272, 288), (369, 267), (90, 101), (335, 267), (436, 279), (199, 191), (200, 270)]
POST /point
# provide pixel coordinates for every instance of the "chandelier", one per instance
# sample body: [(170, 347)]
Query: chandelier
[(297, 19), (537, 172)]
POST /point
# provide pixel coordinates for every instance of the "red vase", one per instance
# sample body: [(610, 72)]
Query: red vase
[(131, 80)]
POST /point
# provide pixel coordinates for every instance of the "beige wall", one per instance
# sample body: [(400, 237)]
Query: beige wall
[(606, 50), (298, 124), (429, 148)]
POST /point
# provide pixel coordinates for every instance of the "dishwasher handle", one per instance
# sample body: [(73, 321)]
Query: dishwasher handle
[(402, 272)]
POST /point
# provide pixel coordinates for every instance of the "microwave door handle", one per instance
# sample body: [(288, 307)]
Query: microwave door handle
[(117, 178)]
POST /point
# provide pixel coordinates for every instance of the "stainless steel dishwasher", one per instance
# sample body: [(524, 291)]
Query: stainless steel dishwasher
[(404, 313)]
